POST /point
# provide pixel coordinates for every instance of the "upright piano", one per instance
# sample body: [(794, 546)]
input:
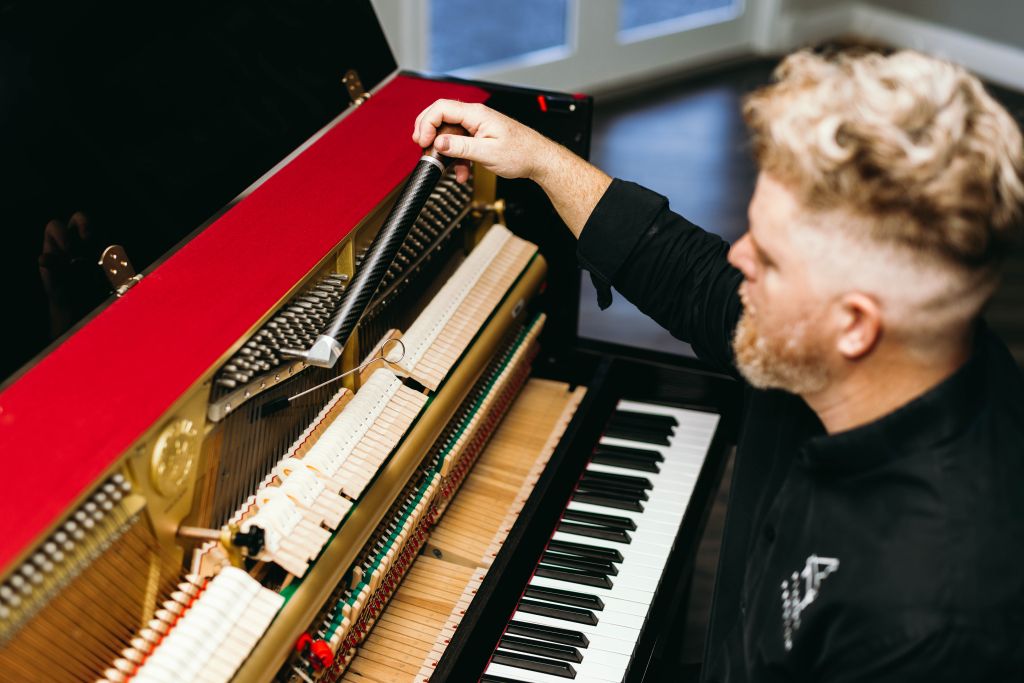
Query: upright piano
[(470, 493)]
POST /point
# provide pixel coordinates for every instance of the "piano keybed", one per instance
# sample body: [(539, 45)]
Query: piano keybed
[(410, 635)]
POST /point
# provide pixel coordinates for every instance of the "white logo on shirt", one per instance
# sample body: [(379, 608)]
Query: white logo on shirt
[(797, 595)]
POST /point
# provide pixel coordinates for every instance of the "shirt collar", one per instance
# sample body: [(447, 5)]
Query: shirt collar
[(932, 418)]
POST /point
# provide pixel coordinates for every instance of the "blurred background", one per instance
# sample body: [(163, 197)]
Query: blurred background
[(668, 77)]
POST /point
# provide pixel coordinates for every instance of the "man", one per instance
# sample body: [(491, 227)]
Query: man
[(875, 529)]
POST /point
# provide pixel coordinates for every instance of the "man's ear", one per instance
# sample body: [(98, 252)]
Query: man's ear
[(860, 325)]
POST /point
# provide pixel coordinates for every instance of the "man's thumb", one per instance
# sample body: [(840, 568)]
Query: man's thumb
[(455, 146)]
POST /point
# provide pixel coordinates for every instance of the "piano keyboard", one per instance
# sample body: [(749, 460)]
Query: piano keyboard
[(585, 606), (436, 341)]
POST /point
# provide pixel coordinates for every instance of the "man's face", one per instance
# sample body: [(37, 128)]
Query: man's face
[(782, 340)]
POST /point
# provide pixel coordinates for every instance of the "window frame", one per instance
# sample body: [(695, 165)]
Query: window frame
[(598, 56)]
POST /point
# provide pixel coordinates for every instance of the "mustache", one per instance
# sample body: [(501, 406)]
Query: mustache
[(748, 307)]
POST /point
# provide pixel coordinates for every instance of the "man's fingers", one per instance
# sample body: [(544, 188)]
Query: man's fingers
[(461, 170), (446, 111)]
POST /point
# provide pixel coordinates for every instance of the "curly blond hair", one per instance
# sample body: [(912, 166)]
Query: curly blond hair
[(910, 143)]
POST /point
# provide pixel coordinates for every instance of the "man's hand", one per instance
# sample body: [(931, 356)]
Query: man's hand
[(512, 150), (498, 143)]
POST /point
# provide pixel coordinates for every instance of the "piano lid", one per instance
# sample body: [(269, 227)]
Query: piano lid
[(69, 416), (133, 123)]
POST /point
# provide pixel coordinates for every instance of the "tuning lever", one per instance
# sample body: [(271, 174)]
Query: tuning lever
[(327, 348)]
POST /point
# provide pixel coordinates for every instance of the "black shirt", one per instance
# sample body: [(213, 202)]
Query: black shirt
[(890, 552)]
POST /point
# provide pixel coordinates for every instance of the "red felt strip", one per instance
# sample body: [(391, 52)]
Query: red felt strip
[(65, 421)]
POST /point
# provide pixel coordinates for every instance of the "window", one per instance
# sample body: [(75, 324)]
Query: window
[(466, 33), (568, 45)]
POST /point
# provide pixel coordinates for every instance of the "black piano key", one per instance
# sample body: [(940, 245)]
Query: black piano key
[(579, 615), (531, 663), (600, 487), (602, 566), (624, 480), (664, 421), (584, 550), (617, 535), (608, 500), (551, 634), (634, 434), (566, 653), (625, 462), (640, 453), (577, 576), (640, 426), (613, 521), (565, 597), (491, 678)]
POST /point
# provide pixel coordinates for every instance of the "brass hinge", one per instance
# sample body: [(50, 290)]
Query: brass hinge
[(356, 92), (119, 269)]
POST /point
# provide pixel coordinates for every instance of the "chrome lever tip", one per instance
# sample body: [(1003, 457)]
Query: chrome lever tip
[(324, 353)]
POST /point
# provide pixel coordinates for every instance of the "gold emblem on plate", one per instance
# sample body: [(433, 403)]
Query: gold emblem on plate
[(173, 455)]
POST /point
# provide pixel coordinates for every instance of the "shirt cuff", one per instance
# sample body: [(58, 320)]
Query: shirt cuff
[(621, 217)]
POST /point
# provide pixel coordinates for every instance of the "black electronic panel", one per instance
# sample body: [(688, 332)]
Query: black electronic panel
[(135, 122)]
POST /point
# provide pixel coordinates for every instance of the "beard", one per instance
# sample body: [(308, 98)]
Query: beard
[(791, 361)]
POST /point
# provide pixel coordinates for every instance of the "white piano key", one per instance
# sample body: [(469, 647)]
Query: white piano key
[(527, 676)]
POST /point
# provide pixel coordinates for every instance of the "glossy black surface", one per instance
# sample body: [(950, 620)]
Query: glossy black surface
[(133, 123)]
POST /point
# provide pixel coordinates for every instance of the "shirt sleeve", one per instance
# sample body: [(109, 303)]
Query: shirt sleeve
[(669, 268)]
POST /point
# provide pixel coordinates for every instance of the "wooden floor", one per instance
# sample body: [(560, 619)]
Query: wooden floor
[(688, 142)]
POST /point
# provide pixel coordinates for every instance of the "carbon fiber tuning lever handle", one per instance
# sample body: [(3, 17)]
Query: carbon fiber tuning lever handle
[(327, 348)]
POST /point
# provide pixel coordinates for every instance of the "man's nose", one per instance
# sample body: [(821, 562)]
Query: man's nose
[(741, 256)]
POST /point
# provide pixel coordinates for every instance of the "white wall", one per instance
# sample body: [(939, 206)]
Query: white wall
[(982, 34), (998, 20), (987, 36)]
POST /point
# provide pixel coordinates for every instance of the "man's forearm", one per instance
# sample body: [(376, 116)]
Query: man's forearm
[(573, 185)]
